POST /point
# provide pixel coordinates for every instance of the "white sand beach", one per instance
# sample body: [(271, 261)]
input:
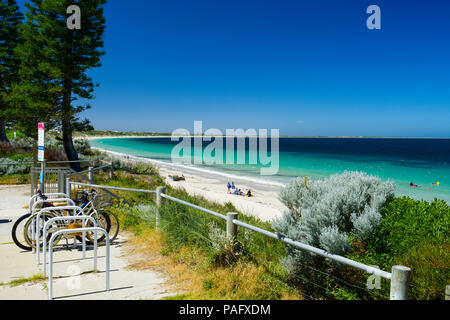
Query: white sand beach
[(264, 203)]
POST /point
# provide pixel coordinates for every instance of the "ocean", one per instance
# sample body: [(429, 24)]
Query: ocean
[(425, 162)]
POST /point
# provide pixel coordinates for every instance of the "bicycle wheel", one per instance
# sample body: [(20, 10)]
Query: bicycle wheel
[(103, 222), (55, 226), (17, 233), (114, 229)]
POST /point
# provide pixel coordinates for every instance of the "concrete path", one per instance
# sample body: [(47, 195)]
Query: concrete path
[(73, 277), (13, 200)]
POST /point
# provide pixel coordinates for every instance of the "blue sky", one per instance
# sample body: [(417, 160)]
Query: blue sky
[(304, 67)]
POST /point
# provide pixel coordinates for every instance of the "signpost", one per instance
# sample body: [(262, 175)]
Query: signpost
[(41, 157)]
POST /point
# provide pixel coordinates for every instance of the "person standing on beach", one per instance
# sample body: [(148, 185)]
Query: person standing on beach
[(229, 186), (232, 185)]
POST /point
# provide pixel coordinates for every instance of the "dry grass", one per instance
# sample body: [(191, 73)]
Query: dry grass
[(190, 274), (15, 179)]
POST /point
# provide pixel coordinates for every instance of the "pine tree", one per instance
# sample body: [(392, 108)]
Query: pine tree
[(55, 61), (10, 20)]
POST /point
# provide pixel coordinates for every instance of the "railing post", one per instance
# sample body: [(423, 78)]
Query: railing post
[(61, 181), (111, 171), (159, 203), (68, 187), (91, 175), (447, 292), (231, 227), (400, 283)]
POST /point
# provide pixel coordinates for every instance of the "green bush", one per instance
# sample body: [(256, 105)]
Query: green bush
[(10, 167), (413, 233), (429, 263)]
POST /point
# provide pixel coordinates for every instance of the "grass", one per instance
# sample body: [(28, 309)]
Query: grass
[(21, 281), (14, 179)]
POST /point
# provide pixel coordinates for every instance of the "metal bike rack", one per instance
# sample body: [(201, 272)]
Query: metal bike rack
[(33, 207), (35, 229), (60, 195), (68, 218), (52, 239)]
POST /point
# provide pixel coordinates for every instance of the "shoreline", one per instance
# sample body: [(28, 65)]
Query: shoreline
[(264, 204)]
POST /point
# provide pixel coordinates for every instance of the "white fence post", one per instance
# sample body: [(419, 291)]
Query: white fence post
[(91, 175), (159, 203), (447, 292), (68, 187), (231, 227), (400, 282), (111, 171)]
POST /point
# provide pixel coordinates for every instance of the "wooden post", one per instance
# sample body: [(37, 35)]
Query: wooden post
[(91, 175), (111, 171), (159, 203), (400, 282), (231, 227), (68, 187)]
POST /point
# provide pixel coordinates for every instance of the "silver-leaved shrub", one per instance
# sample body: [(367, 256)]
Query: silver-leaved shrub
[(325, 212)]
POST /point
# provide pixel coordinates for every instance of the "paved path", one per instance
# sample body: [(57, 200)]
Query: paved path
[(73, 276), (13, 203)]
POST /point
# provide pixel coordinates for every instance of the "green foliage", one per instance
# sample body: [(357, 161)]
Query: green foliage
[(83, 147), (11, 167), (429, 262), (407, 222), (10, 19), (414, 233)]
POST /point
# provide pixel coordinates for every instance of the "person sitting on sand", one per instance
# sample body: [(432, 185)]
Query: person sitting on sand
[(178, 178), (249, 193)]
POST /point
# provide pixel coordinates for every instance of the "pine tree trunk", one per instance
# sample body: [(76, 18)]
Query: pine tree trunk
[(71, 153), (3, 137)]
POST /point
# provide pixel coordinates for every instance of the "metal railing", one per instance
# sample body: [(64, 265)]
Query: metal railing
[(104, 197), (399, 277)]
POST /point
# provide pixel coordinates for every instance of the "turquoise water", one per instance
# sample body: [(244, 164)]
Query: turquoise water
[(422, 161)]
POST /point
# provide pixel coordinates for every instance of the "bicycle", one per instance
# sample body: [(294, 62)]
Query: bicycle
[(105, 219)]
